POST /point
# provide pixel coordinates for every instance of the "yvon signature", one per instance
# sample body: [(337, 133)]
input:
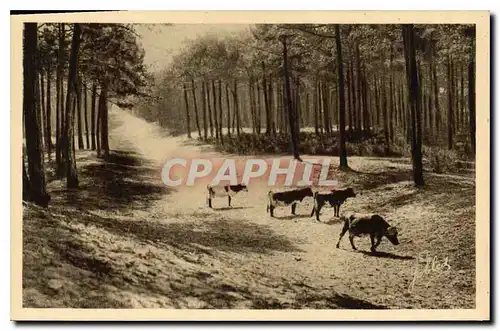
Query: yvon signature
[(427, 268)]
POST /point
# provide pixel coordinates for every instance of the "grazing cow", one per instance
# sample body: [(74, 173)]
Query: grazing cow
[(291, 197), (224, 191), (373, 225), (334, 197)]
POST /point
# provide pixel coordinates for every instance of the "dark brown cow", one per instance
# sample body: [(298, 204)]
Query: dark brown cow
[(334, 197), (373, 225), (224, 191), (291, 197)]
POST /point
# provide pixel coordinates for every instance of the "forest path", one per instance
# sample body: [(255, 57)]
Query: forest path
[(137, 243)]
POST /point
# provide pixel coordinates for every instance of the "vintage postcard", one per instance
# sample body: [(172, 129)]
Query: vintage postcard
[(272, 166)]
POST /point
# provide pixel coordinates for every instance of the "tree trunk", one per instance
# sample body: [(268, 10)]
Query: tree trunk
[(288, 103), (259, 110), (60, 167), (93, 115), (38, 105), (188, 121), (266, 99), (342, 146), (316, 108), (236, 108), (206, 92), (214, 101), (413, 88), (450, 103), (43, 114), (472, 95), (79, 113), (221, 136), (383, 95), (103, 113), (67, 149), (48, 116), (98, 124), (462, 99), (391, 100), (36, 173), (86, 116), (228, 111), (377, 101), (437, 110), (196, 117)]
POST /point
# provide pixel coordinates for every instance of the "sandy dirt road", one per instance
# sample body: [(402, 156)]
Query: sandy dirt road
[(311, 261), (137, 243)]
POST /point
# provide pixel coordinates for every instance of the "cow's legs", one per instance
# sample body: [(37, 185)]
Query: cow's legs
[(229, 200), (344, 230), (318, 210), (271, 210), (374, 246), (294, 206), (351, 239), (337, 210)]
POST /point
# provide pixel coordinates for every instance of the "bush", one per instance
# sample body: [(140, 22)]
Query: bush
[(441, 160)]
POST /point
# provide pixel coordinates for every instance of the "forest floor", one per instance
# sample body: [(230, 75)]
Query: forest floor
[(126, 240)]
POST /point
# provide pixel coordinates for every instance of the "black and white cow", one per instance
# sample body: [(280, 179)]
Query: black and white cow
[(373, 225), (334, 197), (224, 191), (286, 198)]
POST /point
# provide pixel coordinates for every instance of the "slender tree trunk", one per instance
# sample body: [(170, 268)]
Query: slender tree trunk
[(271, 102), (59, 102), (316, 108), (472, 95), (214, 101), (43, 114), (412, 77), (38, 105), (103, 112), (450, 103), (366, 112), (437, 110), (79, 113), (385, 116), (228, 111), (196, 117), (266, 100), (340, 74), (220, 113), (93, 115), (209, 107), (353, 101), (68, 151), (377, 101), (259, 110), (99, 123), (236, 108), (251, 104), (462, 99), (48, 116), (86, 116), (391, 100), (288, 102), (188, 120), (36, 172)]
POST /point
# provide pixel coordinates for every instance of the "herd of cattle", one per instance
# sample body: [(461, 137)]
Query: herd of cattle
[(356, 224)]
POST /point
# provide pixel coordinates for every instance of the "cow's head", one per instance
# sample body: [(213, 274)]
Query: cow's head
[(392, 234), (240, 187), (350, 193)]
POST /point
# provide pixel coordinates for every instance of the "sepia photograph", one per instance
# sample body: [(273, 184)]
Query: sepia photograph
[(313, 166)]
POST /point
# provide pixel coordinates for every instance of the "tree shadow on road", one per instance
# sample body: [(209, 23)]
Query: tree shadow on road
[(123, 181)]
